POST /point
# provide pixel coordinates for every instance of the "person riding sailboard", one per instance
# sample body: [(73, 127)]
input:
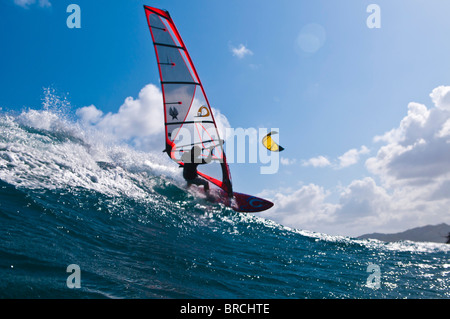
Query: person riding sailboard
[(191, 159), (191, 134)]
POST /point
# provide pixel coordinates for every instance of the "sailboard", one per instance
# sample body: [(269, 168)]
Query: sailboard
[(188, 117)]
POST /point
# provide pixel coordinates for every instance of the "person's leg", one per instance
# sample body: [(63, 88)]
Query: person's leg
[(201, 182), (206, 186)]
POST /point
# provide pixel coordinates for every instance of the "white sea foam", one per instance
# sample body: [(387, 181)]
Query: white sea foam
[(42, 149)]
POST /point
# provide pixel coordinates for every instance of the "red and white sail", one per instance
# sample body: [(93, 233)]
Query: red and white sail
[(188, 116)]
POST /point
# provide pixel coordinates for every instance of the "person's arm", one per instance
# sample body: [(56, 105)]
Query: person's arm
[(208, 159)]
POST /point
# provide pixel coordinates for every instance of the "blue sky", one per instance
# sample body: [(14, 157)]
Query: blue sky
[(331, 100)]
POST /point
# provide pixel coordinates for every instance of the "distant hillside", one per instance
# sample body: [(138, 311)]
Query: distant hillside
[(430, 233)]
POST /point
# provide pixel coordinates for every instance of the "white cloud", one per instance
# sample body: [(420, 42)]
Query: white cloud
[(362, 207), (287, 161), (27, 3), (417, 152), (445, 130), (241, 51), (44, 3), (409, 127), (363, 198), (319, 161), (441, 97), (414, 162), (24, 3), (302, 207), (140, 121), (89, 114), (351, 157), (222, 123), (410, 185)]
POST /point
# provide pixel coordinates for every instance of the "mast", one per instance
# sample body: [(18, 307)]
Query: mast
[(184, 99)]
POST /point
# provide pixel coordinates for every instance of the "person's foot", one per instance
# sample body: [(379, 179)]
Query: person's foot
[(210, 198)]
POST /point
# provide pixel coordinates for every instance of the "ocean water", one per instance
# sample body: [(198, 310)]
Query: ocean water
[(125, 219)]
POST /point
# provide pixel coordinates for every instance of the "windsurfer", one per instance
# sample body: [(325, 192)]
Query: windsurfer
[(191, 159)]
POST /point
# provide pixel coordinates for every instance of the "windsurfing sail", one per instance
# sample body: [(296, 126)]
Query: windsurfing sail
[(188, 116), (270, 144)]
